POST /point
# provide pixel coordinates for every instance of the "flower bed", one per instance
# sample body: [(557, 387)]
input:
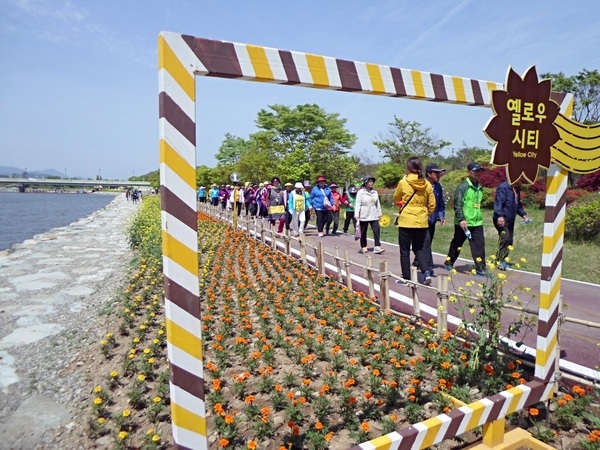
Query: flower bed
[(293, 360)]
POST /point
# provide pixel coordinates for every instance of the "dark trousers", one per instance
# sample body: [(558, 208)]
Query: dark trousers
[(322, 217), (202, 199), (349, 217), (417, 239), (288, 219), (505, 238), (214, 201), (334, 217), (477, 244), (428, 242), (238, 208), (306, 218), (364, 227)]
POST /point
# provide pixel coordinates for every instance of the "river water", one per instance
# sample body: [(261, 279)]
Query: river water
[(23, 215)]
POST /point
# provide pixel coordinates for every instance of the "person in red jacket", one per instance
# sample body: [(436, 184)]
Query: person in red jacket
[(334, 210)]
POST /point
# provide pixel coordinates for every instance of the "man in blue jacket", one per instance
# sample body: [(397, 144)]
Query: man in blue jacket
[(434, 173), (507, 204)]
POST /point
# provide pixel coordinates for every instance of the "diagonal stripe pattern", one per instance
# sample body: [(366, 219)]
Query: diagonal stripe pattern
[(446, 426), (250, 62), (550, 280), (177, 134)]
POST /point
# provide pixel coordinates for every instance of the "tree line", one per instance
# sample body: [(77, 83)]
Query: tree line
[(302, 142)]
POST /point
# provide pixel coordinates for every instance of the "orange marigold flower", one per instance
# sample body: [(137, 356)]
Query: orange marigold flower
[(446, 409), (352, 399), (562, 402), (329, 436), (365, 427), (446, 365), (534, 412), (296, 430), (291, 395), (291, 424), (411, 390), (319, 426), (265, 411), (249, 399), (302, 400), (568, 397), (412, 398), (516, 375), (223, 443), (350, 382), (278, 388), (252, 445), (229, 419), (376, 372), (368, 395)]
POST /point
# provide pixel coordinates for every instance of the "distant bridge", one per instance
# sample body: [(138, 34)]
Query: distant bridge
[(22, 183)]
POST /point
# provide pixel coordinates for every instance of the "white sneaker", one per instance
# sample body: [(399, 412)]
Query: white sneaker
[(378, 250)]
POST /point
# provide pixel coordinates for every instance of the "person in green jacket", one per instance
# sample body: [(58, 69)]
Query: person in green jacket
[(468, 220)]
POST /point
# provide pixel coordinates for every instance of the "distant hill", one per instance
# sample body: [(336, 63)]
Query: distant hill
[(7, 171)]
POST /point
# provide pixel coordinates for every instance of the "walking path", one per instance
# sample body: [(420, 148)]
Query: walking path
[(578, 343), (53, 289)]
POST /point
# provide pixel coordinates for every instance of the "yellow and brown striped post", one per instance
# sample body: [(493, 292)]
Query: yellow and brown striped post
[(546, 360), (177, 103)]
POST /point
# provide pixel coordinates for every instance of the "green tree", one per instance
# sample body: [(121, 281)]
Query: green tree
[(231, 149), (205, 176), (389, 174), (460, 158), (585, 87), (304, 142), (408, 138)]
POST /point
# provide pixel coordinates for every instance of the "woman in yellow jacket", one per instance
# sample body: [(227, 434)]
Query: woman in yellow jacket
[(414, 195)]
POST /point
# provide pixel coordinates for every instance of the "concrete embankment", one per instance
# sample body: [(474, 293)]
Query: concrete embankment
[(53, 289)]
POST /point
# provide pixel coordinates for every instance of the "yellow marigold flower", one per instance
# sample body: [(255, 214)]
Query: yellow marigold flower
[(109, 335), (97, 401), (101, 420), (136, 340), (501, 276), (123, 435), (126, 413), (146, 351), (114, 374), (98, 389), (478, 259), (103, 343), (141, 377), (151, 431), (151, 360), (157, 399), (156, 438)]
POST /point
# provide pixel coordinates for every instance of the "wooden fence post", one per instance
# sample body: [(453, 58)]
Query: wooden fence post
[(370, 277), (414, 276), (384, 286), (348, 266)]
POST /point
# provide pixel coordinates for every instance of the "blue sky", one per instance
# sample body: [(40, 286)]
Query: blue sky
[(79, 90)]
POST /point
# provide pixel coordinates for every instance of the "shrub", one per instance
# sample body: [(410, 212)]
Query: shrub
[(493, 177), (590, 181), (583, 219)]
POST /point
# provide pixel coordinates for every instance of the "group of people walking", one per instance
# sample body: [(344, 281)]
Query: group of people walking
[(421, 205)]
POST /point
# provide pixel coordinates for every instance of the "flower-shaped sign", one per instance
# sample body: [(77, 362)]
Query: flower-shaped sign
[(523, 126)]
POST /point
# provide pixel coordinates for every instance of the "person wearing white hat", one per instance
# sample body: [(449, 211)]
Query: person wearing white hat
[(298, 203)]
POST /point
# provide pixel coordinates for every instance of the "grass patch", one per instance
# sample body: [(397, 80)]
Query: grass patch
[(527, 243)]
